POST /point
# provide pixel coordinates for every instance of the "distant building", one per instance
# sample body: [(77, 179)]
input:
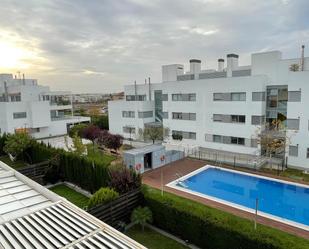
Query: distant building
[(224, 109), (25, 105), (90, 97)]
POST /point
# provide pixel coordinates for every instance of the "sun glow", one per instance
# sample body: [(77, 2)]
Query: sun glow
[(12, 56)]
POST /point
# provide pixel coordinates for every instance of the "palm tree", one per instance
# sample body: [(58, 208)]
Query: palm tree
[(141, 215)]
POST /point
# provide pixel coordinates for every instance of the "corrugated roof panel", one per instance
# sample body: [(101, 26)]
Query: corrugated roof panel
[(33, 217)]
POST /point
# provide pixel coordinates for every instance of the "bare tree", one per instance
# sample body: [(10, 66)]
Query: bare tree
[(273, 138), (154, 133)]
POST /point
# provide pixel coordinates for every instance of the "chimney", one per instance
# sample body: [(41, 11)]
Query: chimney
[(195, 66), (220, 65), (149, 88), (232, 64), (135, 91), (6, 94), (302, 58)]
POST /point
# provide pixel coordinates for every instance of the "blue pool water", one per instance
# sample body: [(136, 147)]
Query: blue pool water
[(287, 201)]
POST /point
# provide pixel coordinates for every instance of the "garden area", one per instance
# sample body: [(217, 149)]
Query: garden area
[(152, 239), (71, 195)]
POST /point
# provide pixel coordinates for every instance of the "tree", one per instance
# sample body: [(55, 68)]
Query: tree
[(294, 67), (155, 133), (141, 216), (16, 144), (123, 179), (78, 129), (273, 138), (91, 132), (100, 121), (78, 147), (113, 141)]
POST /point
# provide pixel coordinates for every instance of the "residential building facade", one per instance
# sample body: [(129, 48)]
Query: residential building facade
[(25, 105), (223, 109)]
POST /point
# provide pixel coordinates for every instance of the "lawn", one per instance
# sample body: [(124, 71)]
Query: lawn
[(97, 155), (294, 174), (152, 239), (71, 195), (16, 164)]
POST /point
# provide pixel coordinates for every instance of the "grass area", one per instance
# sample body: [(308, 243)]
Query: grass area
[(294, 174), (16, 164), (71, 195), (97, 155), (152, 239)]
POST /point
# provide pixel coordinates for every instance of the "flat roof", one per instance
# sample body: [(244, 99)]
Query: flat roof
[(146, 149), (32, 216)]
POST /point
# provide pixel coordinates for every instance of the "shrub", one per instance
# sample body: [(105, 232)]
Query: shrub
[(141, 216), (123, 179), (16, 144), (100, 121), (211, 228), (91, 132), (102, 196), (77, 129)]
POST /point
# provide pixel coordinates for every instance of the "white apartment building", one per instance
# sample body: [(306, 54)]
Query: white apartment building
[(25, 105), (223, 109)]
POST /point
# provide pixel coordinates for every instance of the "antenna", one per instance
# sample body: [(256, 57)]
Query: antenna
[(302, 58)]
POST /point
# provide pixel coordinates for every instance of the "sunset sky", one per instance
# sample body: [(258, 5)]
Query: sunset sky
[(100, 45)]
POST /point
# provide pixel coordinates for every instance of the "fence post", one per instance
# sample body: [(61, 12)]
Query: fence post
[(256, 211), (234, 161)]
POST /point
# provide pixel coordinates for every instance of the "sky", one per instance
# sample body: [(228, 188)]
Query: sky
[(97, 46)]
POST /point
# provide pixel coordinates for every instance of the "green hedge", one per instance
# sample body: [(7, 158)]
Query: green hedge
[(211, 228), (83, 171)]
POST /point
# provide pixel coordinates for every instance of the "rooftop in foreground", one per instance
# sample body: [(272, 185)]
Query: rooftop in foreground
[(31, 216)]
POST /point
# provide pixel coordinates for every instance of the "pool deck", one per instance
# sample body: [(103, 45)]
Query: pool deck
[(185, 166)]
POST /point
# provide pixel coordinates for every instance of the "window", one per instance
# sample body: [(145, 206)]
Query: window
[(217, 117), (229, 96), (138, 97), (293, 150), (165, 115), (238, 118), (307, 152), (218, 96), (15, 97), (128, 114), (184, 97), (185, 134), (294, 96), (217, 138), (147, 114), (258, 96), (238, 96), (292, 124), (238, 140), (229, 118), (18, 115), (257, 120), (184, 115)]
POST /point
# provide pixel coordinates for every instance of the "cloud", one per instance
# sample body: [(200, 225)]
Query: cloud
[(100, 45)]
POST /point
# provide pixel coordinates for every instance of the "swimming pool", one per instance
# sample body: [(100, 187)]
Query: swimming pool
[(280, 200)]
